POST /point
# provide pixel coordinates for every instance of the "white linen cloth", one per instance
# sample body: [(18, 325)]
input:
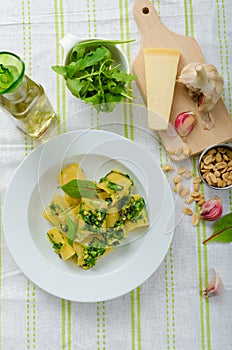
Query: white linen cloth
[(167, 311)]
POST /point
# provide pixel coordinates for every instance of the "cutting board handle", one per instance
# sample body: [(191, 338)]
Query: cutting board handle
[(152, 29), (147, 19)]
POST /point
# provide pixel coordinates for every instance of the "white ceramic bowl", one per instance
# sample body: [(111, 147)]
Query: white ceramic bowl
[(117, 53)]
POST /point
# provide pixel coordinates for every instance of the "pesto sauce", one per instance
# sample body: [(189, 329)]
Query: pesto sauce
[(119, 172), (56, 209), (56, 246), (137, 218), (114, 236), (111, 185), (92, 219), (109, 200), (53, 209), (124, 201), (132, 209), (64, 227), (91, 254)]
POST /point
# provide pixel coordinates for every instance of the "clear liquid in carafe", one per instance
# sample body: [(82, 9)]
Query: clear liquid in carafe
[(30, 108)]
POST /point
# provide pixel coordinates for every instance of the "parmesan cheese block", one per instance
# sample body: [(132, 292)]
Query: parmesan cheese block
[(160, 72)]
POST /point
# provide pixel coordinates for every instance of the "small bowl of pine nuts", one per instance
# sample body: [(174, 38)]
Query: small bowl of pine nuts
[(215, 166)]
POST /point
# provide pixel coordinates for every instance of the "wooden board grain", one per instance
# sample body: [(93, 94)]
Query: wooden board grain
[(155, 34)]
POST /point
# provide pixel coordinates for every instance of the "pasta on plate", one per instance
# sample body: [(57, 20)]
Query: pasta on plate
[(92, 218)]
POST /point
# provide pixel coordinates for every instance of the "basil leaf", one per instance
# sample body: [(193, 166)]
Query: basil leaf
[(222, 230), (80, 188), (72, 229)]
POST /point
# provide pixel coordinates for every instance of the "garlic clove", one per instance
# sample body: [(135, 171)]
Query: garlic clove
[(214, 288), (207, 121), (185, 122), (211, 210)]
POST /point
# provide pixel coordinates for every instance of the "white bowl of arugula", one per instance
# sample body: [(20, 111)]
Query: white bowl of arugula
[(96, 71)]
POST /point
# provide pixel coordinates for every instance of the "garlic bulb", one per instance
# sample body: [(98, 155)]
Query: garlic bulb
[(204, 83)]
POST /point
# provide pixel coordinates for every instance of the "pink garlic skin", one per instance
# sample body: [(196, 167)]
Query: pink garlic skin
[(211, 210), (185, 122), (214, 288)]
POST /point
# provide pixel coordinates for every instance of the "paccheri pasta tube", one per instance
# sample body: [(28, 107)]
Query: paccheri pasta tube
[(90, 219)]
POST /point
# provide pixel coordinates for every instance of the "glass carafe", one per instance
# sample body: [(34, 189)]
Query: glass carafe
[(23, 99)]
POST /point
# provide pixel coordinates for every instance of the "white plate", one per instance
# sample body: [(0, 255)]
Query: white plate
[(32, 188)]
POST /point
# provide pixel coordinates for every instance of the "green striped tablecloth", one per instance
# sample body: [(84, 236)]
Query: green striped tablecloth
[(167, 311)]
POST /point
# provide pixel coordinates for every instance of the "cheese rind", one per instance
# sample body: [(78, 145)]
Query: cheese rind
[(160, 72)]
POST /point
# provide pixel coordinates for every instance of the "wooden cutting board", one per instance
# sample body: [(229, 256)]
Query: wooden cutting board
[(155, 34)]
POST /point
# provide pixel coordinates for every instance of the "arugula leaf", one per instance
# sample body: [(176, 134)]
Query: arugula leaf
[(77, 53), (222, 231), (60, 70), (80, 188), (93, 77), (95, 100), (122, 75), (92, 58), (111, 101), (66, 71), (78, 88), (96, 42)]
